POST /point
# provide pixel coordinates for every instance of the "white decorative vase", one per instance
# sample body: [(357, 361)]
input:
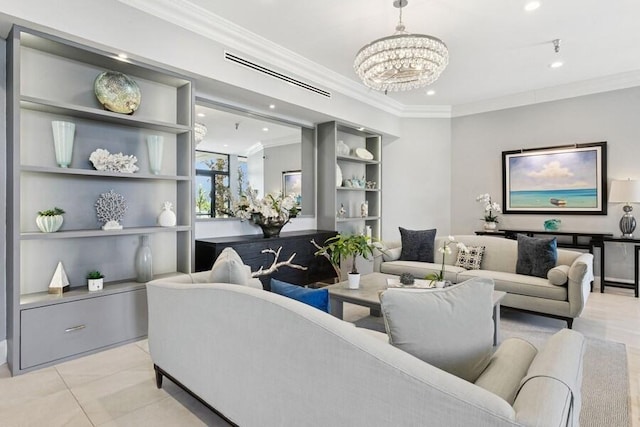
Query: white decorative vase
[(154, 144), (354, 280), (440, 284), (143, 261), (167, 217), (63, 133), (490, 226), (338, 176), (49, 223), (342, 149), (95, 284)]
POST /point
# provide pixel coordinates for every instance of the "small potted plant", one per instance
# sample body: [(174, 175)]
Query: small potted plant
[(94, 280), (342, 247), (50, 220)]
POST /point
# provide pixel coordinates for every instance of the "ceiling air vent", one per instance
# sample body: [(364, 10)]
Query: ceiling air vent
[(264, 70)]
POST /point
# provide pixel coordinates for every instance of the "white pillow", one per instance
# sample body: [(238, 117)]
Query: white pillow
[(450, 328), (558, 275), (229, 268)]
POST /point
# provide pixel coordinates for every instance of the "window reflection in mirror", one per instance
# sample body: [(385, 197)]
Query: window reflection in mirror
[(239, 151)]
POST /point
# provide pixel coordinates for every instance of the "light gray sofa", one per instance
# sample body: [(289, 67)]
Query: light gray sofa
[(262, 359), (527, 293)]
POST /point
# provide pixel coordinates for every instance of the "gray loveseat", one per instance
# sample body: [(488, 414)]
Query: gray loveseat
[(527, 293), (262, 359)]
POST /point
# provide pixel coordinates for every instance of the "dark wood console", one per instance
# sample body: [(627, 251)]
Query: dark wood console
[(250, 250)]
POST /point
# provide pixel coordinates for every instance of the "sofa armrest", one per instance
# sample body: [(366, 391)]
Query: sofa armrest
[(550, 393), (579, 283)]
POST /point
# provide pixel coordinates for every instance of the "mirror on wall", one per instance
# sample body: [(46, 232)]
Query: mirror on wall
[(237, 150)]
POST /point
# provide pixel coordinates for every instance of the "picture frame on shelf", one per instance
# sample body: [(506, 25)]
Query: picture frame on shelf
[(292, 184), (568, 179)]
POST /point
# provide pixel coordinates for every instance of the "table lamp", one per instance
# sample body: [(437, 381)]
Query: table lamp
[(627, 192)]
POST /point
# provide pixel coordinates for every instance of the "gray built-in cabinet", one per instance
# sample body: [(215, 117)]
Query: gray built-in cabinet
[(50, 79), (333, 195)]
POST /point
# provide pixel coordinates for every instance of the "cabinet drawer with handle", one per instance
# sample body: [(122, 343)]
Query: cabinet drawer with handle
[(57, 331)]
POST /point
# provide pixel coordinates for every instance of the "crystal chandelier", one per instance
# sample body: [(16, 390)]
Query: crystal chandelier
[(401, 61), (200, 131)]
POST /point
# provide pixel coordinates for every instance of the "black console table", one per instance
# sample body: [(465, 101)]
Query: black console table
[(250, 250), (579, 239), (615, 283)]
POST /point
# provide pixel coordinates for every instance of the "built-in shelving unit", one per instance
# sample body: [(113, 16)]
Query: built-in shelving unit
[(333, 195), (49, 78)]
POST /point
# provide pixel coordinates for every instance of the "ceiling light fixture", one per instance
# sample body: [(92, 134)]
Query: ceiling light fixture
[(431, 92), (272, 106), (200, 131), (531, 6), (556, 47), (401, 61), (265, 129), (201, 115)]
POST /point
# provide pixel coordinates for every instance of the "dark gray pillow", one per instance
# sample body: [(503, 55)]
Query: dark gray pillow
[(417, 245), (536, 256)]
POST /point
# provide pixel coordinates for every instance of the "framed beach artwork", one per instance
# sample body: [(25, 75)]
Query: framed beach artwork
[(556, 180), (292, 184)]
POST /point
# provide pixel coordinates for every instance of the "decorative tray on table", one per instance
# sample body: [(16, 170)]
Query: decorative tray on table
[(417, 284)]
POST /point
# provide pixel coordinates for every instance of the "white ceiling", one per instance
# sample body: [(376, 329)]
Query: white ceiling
[(496, 48)]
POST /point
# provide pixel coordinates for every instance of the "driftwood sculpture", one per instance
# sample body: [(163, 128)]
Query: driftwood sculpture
[(276, 264)]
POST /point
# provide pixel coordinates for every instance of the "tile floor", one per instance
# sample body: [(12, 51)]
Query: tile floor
[(117, 387)]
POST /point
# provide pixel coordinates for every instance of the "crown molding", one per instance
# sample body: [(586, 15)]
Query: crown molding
[(570, 90), (196, 19)]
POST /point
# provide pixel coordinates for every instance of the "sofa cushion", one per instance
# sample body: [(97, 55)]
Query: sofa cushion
[(508, 366), (519, 284), (318, 298), (229, 268), (470, 258), (417, 245), (559, 275), (421, 269), (449, 328), (536, 256)]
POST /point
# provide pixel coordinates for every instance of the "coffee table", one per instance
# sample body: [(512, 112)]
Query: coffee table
[(367, 296)]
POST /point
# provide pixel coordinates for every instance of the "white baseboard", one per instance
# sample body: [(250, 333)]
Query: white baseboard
[(3, 352)]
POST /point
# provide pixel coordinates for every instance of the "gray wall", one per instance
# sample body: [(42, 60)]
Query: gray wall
[(3, 182), (278, 159), (478, 141)]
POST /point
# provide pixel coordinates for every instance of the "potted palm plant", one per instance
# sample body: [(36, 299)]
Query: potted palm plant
[(343, 247)]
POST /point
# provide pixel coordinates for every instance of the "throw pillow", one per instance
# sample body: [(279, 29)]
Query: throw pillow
[(471, 258), (229, 268), (451, 328), (318, 298), (417, 245), (536, 256), (559, 275)]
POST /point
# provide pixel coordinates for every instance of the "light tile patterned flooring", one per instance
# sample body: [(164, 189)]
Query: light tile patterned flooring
[(116, 388)]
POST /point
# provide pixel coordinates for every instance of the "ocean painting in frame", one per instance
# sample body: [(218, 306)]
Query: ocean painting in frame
[(566, 179)]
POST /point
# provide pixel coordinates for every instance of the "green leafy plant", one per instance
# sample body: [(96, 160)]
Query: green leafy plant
[(342, 247), (94, 275), (51, 212)]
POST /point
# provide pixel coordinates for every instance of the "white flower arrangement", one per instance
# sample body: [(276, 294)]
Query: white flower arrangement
[(489, 207), (272, 208), (102, 160), (445, 249)]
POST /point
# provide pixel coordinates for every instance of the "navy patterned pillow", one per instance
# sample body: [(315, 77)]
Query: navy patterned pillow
[(417, 245), (536, 256)]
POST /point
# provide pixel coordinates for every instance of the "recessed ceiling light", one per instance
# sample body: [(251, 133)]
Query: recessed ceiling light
[(265, 129), (531, 6), (225, 145), (122, 56), (201, 115), (556, 64), (272, 106), (431, 92), (360, 129)]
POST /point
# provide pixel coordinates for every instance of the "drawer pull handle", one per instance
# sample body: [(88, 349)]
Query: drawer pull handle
[(75, 328)]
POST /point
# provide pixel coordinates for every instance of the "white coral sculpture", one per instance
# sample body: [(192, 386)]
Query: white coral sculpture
[(110, 209), (102, 160)]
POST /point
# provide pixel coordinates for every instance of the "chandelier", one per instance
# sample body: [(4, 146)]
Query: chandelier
[(200, 131), (401, 61)]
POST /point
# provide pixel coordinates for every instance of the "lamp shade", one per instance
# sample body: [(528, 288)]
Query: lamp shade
[(624, 191)]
